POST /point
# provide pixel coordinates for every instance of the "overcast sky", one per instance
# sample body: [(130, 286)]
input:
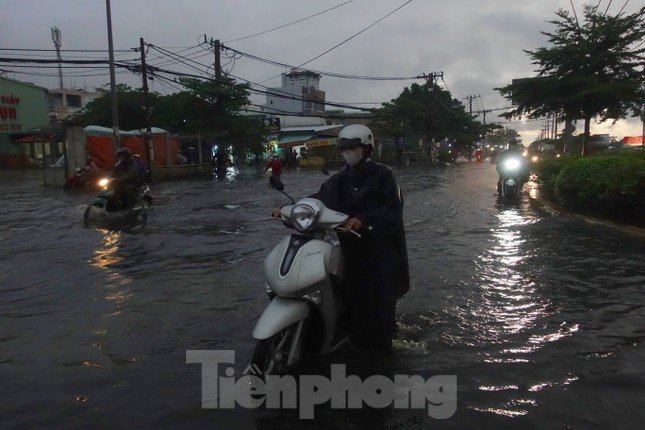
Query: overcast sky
[(477, 44)]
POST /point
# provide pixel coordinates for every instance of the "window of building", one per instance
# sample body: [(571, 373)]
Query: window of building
[(73, 100), (55, 100)]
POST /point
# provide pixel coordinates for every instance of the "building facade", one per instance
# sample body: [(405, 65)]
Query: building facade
[(64, 102), (300, 93), (23, 109)]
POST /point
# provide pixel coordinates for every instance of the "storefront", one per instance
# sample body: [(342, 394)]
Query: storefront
[(23, 110)]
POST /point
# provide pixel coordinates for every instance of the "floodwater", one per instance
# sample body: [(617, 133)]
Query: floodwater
[(540, 317)]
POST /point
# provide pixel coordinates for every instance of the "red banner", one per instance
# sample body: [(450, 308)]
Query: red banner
[(102, 150)]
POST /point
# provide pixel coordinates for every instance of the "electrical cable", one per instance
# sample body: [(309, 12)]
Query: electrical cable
[(349, 38), (320, 72), (288, 24)]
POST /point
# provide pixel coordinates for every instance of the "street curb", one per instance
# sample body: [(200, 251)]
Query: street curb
[(555, 209)]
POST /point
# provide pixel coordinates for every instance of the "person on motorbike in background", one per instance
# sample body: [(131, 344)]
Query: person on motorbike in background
[(126, 179), (512, 152), (141, 168), (90, 168), (376, 265)]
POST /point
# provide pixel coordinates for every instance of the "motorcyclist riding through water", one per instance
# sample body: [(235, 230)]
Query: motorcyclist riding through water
[(127, 179), (512, 153), (376, 265)]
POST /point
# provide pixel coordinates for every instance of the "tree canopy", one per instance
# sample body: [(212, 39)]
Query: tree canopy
[(427, 110), (592, 70), (208, 107)]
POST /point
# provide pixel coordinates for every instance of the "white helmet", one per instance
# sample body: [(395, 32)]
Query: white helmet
[(354, 135)]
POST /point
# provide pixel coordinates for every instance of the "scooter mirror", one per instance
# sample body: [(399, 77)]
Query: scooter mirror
[(276, 183)]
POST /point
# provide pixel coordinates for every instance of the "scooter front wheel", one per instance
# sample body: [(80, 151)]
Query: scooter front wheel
[(271, 355)]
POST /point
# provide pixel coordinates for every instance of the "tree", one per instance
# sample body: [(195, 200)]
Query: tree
[(208, 107), (430, 111), (590, 71), (130, 109), (503, 136)]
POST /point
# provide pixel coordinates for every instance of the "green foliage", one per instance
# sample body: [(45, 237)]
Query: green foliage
[(503, 136), (610, 185), (207, 107), (593, 69), (548, 170), (130, 109), (419, 108)]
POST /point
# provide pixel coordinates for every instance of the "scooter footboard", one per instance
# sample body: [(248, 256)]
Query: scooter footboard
[(280, 314)]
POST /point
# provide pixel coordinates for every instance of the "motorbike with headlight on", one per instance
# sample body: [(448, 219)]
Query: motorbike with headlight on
[(106, 206), (307, 315), (512, 175)]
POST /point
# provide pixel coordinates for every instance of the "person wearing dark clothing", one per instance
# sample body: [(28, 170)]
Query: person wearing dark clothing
[(141, 168), (376, 265), (126, 179), (512, 152)]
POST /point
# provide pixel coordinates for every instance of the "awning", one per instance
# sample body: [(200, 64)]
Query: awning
[(96, 130), (32, 138), (294, 139)]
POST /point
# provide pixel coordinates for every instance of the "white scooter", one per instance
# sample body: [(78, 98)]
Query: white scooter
[(307, 315)]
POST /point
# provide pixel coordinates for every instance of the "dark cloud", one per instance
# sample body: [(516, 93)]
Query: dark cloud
[(478, 44)]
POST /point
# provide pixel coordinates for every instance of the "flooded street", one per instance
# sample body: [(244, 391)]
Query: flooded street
[(540, 317)]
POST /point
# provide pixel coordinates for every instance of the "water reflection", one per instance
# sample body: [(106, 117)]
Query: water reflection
[(509, 302), (106, 258), (107, 255)]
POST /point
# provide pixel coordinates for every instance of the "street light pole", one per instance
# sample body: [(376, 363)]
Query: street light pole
[(115, 112)]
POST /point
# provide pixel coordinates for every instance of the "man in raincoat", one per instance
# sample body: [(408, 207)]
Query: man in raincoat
[(376, 265)]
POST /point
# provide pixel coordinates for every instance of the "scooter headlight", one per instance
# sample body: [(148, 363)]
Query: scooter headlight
[(103, 182), (303, 217), (512, 164)]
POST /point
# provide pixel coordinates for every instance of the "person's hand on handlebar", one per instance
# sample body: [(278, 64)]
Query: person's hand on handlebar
[(354, 224), (276, 213)]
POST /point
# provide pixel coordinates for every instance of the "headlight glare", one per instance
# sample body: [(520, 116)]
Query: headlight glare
[(512, 164)]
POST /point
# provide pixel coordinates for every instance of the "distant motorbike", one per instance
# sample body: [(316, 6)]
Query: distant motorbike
[(106, 205), (307, 315), (80, 180), (511, 177)]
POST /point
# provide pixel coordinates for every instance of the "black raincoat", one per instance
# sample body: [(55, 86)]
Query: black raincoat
[(376, 265)]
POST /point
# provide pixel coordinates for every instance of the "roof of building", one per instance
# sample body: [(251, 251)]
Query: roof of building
[(28, 84), (295, 72)]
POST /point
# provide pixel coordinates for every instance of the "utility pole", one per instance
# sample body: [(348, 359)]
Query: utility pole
[(115, 112), (146, 102), (430, 79), (217, 47), (470, 103), (484, 112), (56, 38)]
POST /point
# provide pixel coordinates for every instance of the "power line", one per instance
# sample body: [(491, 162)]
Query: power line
[(320, 72), (349, 38), (273, 93), (288, 24), (62, 50), (622, 8)]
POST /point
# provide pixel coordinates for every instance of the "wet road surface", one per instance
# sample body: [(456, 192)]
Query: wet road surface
[(540, 317)]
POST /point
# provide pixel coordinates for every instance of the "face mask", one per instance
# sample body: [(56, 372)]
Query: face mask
[(353, 156)]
